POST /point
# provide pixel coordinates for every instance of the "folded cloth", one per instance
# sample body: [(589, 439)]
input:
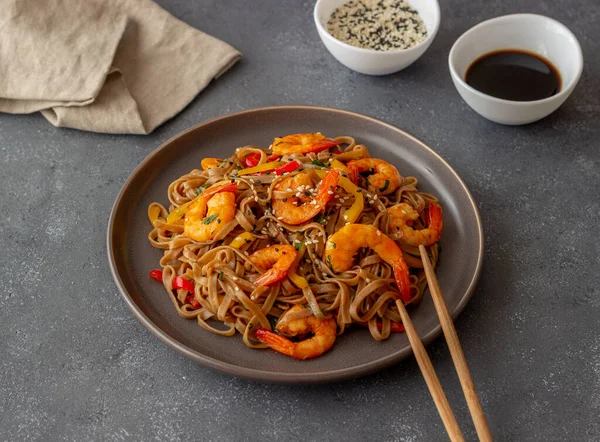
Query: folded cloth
[(114, 66)]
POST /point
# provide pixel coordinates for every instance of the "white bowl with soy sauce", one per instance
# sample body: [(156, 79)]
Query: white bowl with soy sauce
[(377, 37), (516, 69)]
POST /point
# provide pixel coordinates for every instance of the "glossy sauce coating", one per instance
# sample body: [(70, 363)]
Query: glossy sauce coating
[(514, 75)]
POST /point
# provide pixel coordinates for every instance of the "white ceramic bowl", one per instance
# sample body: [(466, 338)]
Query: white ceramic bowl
[(370, 61), (530, 32)]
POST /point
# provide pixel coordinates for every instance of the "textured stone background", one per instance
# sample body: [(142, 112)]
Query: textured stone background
[(76, 365)]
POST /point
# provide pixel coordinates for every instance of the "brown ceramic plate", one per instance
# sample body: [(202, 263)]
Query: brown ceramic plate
[(355, 353)]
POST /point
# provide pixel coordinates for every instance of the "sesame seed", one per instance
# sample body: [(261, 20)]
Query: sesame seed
[(382, 25)]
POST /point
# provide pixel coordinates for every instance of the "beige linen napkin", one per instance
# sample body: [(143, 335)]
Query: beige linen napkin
[(115, 66)]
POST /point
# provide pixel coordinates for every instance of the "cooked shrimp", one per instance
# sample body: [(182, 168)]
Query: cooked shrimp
[(323, 330), (343, 245), (289, 209), (276, 260), (302, 143), (385, 177), (401, 217), (209, 212), (210, 163)]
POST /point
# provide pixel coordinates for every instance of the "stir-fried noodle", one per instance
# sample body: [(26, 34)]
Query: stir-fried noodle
[(309, 222)]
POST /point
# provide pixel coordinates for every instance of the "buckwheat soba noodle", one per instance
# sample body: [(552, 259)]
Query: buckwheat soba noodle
[(291, 245)]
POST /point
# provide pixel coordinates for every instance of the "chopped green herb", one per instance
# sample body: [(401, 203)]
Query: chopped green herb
[(319, 163), (201, 189), (210, 219), (385, 186), (277, 144), (250, 325), (329, 262), (220, 275), (238, 167), (322, 219), (334, 246), (298, 245)]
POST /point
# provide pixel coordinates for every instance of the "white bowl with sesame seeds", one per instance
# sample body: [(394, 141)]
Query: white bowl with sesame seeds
[(387, 59)]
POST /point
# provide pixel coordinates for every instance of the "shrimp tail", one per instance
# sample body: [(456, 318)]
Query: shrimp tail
[(319, 146), (328, 185), (402, 279), (435, 218), (276, 342), (270, 277)]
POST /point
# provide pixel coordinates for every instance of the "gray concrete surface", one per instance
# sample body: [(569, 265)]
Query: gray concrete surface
[(76, 365)]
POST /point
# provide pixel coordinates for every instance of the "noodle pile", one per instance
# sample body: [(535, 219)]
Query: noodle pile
[(226, 298)]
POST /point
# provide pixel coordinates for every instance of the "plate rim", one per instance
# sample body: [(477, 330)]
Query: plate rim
[(272, 376)]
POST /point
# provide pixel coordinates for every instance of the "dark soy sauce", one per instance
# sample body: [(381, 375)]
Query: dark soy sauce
[(514, 75)]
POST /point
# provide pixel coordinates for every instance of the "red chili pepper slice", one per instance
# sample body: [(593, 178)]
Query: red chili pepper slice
[(395, 327), (289, 167), (252, 159), (191, 299), (156, 274), (180, 283)]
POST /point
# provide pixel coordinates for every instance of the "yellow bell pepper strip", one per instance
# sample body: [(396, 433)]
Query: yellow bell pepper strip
[(176, 214), (353, 213), (210, 163), (153, 213), (293, 271), (339, 166), (297, 279), (241, 239), (260, 168)]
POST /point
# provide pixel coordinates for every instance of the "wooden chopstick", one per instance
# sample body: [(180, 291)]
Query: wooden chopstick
[(431, 379), (458, 357)]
